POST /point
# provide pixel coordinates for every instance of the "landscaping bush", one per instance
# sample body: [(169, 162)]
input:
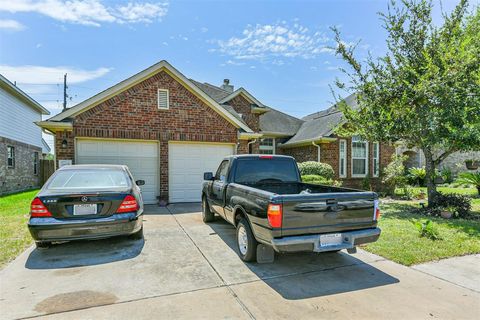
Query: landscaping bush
[(316, 168), (393, 175), (458, 205), (316, 179), (447, 175), (427, 229), (470, 178), (416, 176)]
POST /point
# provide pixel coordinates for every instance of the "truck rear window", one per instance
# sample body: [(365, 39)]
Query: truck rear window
[(269, 170)]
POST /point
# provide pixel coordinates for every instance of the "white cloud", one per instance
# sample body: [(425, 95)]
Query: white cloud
[(50, 75), (270, 42), (11, 25), (203, 29), (89, 12)]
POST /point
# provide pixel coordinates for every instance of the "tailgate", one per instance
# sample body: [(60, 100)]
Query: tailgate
[(327, 212)]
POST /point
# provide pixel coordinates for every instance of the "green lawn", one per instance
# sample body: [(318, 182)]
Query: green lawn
[(401, 243), (14, 235), (446, 190)]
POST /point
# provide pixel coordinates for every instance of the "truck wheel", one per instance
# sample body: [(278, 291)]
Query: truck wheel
[(247, 245), (207, 214)]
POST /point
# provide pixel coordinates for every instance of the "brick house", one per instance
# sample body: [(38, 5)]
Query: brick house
[(21, 143), (170, 129)]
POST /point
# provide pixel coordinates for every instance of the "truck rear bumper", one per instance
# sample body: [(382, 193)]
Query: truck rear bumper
[(349, 239)]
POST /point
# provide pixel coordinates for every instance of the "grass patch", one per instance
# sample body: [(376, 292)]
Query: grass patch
[(14, 235), (400, 240), (445, 190)]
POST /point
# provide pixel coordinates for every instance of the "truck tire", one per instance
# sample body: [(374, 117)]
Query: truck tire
[(207, 214), (246, 242)]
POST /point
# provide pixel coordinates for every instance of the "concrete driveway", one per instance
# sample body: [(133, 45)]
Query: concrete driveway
[(187, 269)]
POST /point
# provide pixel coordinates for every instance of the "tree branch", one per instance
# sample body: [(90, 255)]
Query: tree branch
[(442, 157)]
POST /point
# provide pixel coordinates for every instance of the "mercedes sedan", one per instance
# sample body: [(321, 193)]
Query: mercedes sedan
[(87, 202)]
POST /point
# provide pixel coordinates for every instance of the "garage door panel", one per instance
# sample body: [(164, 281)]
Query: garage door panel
[(140, 157), (187, 163)]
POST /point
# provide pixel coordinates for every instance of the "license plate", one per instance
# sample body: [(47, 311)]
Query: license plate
[(84, 209), (330, 239)]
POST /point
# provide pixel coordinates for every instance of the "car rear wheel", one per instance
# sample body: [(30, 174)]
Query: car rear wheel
[(207, 214), (137, 235), (247, 245), (42, 244)]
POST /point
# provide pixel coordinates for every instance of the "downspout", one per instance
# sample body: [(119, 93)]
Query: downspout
[(318, 147), (249, 143)]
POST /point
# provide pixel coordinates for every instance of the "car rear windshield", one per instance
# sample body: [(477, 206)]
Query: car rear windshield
[(89, 178), (265, 170)]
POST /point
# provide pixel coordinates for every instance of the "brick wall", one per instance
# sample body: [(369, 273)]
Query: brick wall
[(133, 114), (242, 106), (22, 176)]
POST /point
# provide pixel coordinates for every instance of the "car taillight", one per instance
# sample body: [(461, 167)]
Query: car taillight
[(266, 157), (274, 214), (128, 204), (376, 210), (38, 209)]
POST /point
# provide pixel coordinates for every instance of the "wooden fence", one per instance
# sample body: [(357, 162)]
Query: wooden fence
[(47, 168)]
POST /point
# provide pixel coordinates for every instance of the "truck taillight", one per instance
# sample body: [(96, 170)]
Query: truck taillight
[(376, 210), (274, 214), (38, 209), (128, 204)]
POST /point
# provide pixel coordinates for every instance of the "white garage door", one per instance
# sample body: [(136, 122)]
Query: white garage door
[(141, 157), (187, 163)]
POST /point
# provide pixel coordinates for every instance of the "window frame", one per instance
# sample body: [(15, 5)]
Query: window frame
[(11, 155), (345, 157), (36, 162), (267, 148), (376, 159), (356, 175), (158, 99)]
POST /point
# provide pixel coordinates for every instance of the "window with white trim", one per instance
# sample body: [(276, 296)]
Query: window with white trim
[(163, 99), (376, 159), (10, 157), (342, 166), (359, 157), (267, 146), (35, 163)]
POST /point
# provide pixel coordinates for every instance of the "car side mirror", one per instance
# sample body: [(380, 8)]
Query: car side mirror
[(207, 176), (140, 182)]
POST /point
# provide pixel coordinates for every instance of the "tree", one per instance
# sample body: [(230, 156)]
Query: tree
[(425, 91)]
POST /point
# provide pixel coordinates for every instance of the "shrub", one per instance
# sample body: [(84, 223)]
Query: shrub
[(417, 176), (427, 229), (458, 205), (316, 168), (316, 179), (470, 178), (393, 175), (447, 175)]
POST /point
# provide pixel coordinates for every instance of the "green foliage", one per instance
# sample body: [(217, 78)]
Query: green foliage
[(416, 176), (316, 179), (447, 175), (425, 91), (427, 229), (316, 168), (470, 178), (393, 174), (458, 205)]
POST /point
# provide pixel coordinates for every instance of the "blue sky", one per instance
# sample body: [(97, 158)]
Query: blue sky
[(99, 43)]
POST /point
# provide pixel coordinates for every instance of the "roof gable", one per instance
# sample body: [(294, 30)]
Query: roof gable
[(13, 89)]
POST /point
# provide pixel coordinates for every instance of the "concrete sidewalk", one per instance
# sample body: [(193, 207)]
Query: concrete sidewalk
[(186, 269)]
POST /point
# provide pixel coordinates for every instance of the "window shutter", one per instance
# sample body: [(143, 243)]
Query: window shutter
[(163, 99)]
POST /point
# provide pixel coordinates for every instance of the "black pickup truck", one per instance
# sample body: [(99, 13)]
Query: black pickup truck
[(264, 198)]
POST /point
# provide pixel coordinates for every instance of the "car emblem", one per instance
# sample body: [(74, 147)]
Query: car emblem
[(84, 199)]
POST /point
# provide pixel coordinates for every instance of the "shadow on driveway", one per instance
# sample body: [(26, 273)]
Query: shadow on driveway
[(84, 253)]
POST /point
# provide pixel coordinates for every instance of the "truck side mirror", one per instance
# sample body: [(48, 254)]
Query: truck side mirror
[(140, 182), (207, 176)]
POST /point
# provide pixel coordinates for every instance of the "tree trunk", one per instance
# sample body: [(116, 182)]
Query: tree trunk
[(430, 178)]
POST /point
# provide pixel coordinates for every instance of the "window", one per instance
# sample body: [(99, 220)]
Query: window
[(163, 99), (10, 157), (267, 146), (258, 170), (376, 157), (35, 163), (113, 179), (222, 171), (359, 157), (342, 167)]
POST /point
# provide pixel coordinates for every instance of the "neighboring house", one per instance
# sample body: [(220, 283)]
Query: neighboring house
[(170, 129), (20, 139), (455, 162), (45, 148)]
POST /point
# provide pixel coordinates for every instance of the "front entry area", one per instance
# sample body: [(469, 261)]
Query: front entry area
[(188, 162)]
